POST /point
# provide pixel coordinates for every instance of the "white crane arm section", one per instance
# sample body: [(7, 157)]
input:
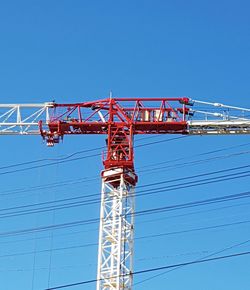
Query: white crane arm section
[(218, 127), (218, 119), (22, 119)]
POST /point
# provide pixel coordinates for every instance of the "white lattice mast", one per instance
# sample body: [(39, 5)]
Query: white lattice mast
[(116, 235)]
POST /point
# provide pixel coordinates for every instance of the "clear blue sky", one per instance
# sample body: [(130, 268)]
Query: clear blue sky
[(80, 50)]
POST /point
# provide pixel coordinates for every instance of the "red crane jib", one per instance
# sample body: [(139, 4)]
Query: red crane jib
[(120, 119)]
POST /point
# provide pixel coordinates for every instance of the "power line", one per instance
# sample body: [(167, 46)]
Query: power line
[(51, 159), (150, 270), (195, 162), (195, 176), (96, 220), (49, 227), (48, 164), (193, 230), (142, 193), (190, 263), (69, 158), (94, 264), (83, 180), (141, 222), (49, 185), (161, 141), (102, 147), (188, 184), (139, 193), (195, 212), (195, 203), (85, 151), (199, 154), (145, 237), (205, 257)]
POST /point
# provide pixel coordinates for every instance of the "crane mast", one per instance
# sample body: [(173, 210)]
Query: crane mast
[(120, 119)]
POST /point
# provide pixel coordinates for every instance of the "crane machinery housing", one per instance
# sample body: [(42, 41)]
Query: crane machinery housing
[(120, 119)]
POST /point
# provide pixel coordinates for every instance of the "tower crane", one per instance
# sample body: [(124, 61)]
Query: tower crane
[(120, 119)]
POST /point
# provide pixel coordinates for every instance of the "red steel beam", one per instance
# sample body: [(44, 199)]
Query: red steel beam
[(120, 119)]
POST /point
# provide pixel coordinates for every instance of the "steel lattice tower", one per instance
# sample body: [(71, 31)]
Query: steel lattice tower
[(116, 236)]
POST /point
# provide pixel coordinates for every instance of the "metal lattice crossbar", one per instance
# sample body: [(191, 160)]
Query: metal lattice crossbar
[(23, 119)]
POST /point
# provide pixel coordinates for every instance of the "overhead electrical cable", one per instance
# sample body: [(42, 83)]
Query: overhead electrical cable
[(84, 151), (47, 164), (51, 159), (139, 222), (21, 269), (194, 162), (202, 258), (69, 157), (197, 212), (82, 222), (158, 209), (195, 176), (199, 154), (65, 159), (140, 193), (207, 181), (145, 237), (49, 185), (94, 178), (96, 220), (89, 201), (150, 270), (102, 147), (196, 203)]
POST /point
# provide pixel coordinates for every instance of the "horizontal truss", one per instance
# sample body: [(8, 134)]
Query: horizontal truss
[(146, 116), (23, 119), (121, 119), (222, 127)]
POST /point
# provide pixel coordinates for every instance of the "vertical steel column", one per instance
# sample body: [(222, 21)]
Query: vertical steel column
[(116, 234)]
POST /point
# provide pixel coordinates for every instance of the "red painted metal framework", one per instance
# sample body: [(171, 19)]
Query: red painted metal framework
[(120, 119)]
